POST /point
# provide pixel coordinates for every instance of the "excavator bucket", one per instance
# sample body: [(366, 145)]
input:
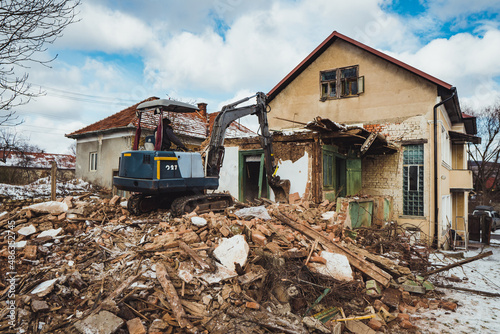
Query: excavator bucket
[(281, 190)]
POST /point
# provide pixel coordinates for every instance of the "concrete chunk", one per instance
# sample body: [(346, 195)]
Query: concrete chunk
[(39, 306), (28, 230), (234, 249), (104, 322), (52, 207), (44, 288)]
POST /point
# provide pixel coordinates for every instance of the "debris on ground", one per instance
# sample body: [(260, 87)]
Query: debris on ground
[(84, 264)]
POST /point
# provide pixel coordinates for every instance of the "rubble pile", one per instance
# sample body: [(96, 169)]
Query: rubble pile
[(83, 264)]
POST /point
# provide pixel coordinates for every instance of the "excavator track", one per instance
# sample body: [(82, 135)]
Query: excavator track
[(138, 204), (201, 203)]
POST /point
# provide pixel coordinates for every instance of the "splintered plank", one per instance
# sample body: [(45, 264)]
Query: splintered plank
[(357, 262), (172, 297), (459, 263)]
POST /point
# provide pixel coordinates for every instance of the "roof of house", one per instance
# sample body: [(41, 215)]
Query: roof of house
[(329, 41), (121, 119), (188, 124), (37, 160)]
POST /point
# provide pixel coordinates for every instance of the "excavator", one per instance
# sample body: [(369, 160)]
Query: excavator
[(175, 179)]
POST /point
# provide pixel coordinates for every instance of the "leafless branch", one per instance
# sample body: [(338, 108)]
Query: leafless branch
[(26, 27)]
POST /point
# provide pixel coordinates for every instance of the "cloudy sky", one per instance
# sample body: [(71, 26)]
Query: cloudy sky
[(123, 51)]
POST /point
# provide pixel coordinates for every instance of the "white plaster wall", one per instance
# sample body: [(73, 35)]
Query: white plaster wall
[(296, 172), (228, 180)]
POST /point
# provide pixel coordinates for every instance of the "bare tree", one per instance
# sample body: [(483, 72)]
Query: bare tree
[(11, 142), (485, 157), (26, 27), (24, 153)]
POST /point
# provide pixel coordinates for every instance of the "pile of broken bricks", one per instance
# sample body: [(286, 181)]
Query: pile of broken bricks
[(84, 264)]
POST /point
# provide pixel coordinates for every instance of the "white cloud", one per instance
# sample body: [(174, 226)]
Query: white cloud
[(468, 62), (106, 30), (264, 44), (224, 50), (460, 9)]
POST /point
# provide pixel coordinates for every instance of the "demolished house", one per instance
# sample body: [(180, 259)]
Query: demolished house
[(402, 141), (427, 177)]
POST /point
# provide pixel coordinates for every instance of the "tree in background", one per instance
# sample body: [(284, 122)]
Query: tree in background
[(485, 157), (26, 27)]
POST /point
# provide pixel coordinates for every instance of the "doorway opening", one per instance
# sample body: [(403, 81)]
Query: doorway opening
[(252, 176)]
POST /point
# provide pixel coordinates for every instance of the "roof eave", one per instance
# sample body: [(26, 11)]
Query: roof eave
[(326, 43), (97, 132)]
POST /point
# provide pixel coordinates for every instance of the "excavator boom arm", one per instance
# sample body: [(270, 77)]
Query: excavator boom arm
[(230, 113)]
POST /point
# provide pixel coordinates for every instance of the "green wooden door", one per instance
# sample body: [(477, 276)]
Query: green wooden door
[(353, 167)]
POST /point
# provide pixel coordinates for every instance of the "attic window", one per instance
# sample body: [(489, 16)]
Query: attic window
[(341, 82)]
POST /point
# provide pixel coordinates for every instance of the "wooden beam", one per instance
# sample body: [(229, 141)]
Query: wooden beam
[(459, 263), (172, 297), (368, 142), (205, 266), (357, 262)]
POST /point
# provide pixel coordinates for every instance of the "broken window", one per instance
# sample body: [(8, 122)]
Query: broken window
[(413, 180), (341, 82), (93, 161)]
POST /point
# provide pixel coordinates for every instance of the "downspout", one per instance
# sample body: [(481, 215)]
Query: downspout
[(436, 212)]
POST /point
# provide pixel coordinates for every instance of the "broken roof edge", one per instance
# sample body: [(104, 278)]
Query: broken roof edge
[(102, 131), (329, 41), (104, 120)]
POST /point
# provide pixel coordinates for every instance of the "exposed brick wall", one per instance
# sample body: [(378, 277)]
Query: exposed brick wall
[(382, 174)]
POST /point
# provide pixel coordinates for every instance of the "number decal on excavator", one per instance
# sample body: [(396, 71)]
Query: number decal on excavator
[(171, 167)]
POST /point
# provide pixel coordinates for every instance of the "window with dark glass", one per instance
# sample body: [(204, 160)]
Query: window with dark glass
[(413, 180), (93, 161), (341, 82)]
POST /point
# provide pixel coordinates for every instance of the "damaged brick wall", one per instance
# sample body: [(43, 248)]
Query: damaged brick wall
[(383, 174)]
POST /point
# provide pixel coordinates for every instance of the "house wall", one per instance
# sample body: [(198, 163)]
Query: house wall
[(108, 150), (293, 160), (395, 102), (228, 180)]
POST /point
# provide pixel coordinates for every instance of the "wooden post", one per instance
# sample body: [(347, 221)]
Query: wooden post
[(53, 181)]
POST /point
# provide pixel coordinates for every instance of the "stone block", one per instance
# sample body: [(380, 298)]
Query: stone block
[(377, 304), (39, 306), (30, 252), (448, 306), (252, 305), (104, 322)]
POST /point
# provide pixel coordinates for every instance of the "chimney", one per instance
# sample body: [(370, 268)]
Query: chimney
[(203, 110)]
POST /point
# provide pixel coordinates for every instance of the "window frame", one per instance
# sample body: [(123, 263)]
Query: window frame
[(93, 161), (413, 199), (326, 84), (446, 154)]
